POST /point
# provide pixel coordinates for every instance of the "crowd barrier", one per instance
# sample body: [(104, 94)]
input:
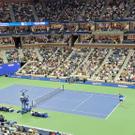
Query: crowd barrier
[(79, 82)]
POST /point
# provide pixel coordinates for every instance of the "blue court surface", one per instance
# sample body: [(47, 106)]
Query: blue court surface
[(68, 101)]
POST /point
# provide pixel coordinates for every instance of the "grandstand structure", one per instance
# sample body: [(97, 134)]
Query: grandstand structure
[(103, 48), (92, 40)]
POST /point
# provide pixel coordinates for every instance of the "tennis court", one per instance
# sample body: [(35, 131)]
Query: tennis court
[(68, 101)]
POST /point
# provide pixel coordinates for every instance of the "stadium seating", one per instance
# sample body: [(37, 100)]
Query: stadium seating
[(128, 74), (94, 64), (93, 61), (12, 55), (111, 65), (78, 10), (23, 12), (12, 128), (104, 49)]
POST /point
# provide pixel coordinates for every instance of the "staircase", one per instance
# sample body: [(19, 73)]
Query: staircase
[(38, 55), (34, 13), (3, 53), (43, 4), (11, 13), (105, 7), (21, 55), (130, 6)]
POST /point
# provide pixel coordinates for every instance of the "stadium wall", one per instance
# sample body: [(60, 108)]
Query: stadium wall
[(79, 82)]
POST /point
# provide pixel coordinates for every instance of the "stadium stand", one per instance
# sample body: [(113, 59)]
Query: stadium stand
[(6, 41), (23, 12), (128, 73), (103, 51), (112, 66), (4, 12), (79, 10), (12, 55), (12, 128), (107, 28), (94, 64)]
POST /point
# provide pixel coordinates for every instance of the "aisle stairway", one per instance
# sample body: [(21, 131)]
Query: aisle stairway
[(3, 53)]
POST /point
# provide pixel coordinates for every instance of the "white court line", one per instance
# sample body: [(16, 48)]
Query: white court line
[(82, 102), (114, 109)]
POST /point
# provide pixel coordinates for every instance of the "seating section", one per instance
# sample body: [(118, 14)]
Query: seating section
[(34, 40), (6, 41), (97, 64), (71, 64), (85, 10), (29, 55), (52, 59), (12, 128), (128, 74), (12, 55), (47, 51), (77, 10), (112, 66), (64, 62), (70, 10), (116, 10), (57, 58), (93, 62)]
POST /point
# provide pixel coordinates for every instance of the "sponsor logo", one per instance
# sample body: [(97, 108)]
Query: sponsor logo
[(10, 65), (54, 79), (97, 83), (123, 86)]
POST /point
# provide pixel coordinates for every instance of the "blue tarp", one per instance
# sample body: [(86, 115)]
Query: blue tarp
[(7, 69)]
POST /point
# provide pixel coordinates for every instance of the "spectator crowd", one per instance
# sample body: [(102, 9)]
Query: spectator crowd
[(96, 64), (12, 128), (77, 10), (63, 62)]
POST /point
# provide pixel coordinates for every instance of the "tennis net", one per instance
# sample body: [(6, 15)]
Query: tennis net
[(46, 96)]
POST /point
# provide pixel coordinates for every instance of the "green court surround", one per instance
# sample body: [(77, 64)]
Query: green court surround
[(121, 122)]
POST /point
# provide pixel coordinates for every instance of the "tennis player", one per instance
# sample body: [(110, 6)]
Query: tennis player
[(121, 97)]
